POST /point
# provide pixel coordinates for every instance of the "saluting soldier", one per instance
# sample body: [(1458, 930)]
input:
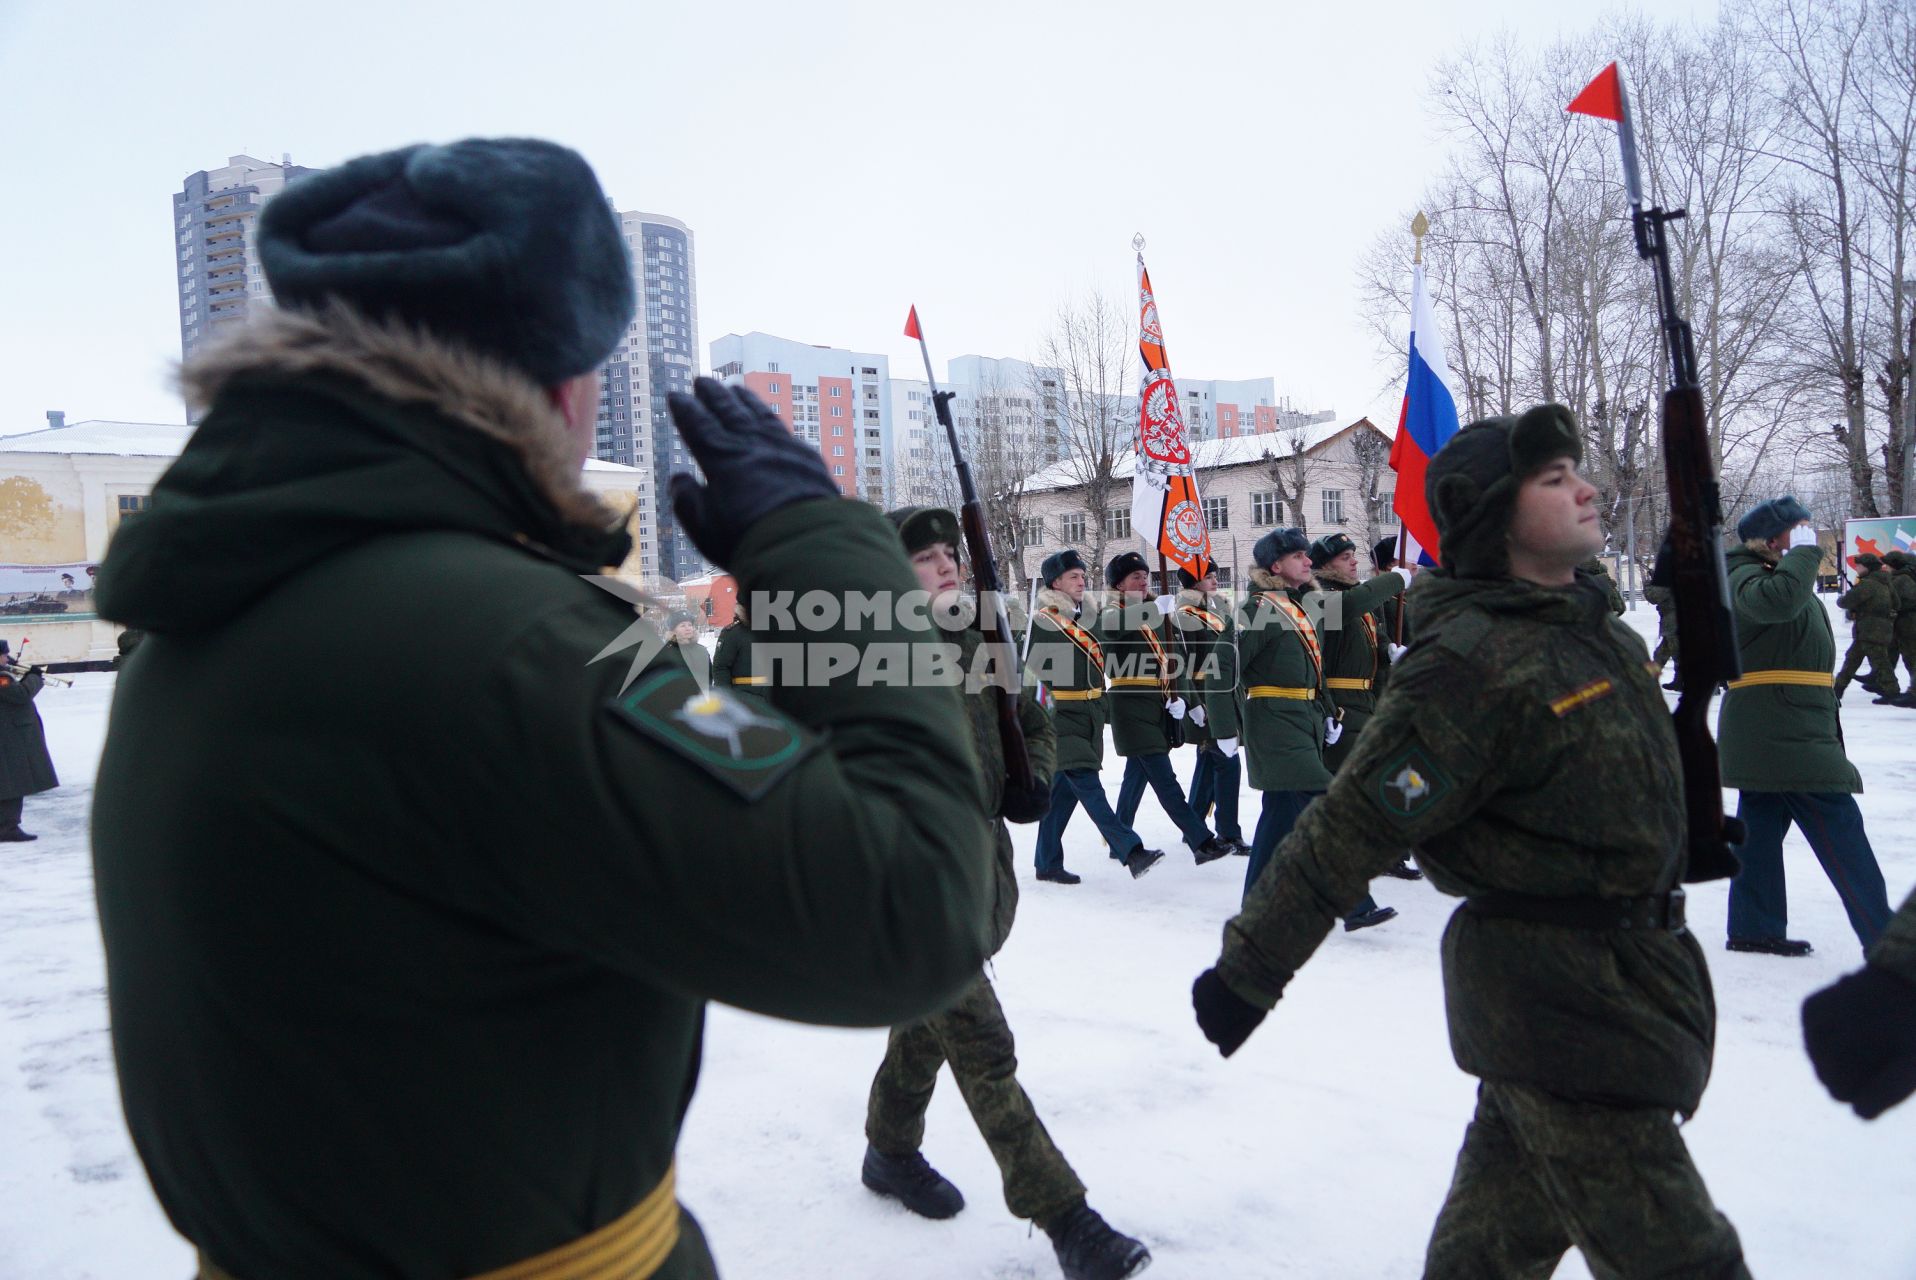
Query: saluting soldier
[(420, 993), (1146, 706), (1213, 725), (1354, 650), (1289, 717), (1525, 753), (1069, 659), (1871, 605), (972, 1036)]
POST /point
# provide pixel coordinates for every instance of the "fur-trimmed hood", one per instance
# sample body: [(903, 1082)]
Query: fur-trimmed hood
[(407, 366), (1265, 580), (323, 432), (1051, 598)]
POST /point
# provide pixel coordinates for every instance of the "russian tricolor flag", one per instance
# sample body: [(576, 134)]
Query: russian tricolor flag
[(1429, 419)]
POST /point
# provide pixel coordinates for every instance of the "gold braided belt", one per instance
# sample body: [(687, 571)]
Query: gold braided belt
[(1281, 691), (1077, 695), (1813, 679), (1136, 682), (631, 1247), (754, 680), (1349, 683)]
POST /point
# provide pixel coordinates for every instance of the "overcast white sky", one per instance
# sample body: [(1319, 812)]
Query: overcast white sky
[(837, 162)]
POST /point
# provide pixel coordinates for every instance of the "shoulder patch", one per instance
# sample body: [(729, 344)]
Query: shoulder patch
[(747, 747), (1410, 782)]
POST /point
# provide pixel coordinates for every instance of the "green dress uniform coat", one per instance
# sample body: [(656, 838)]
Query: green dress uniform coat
[(1525, 749), (1781, 736), (25, 767), (1389, 633), (732, 666), (1279, 648), (1209, 638), (1353, 655), (1069, 658), (421, 991), (1139, 649)]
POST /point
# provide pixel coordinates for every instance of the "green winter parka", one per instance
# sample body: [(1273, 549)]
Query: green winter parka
[(407, 957), (1283, 733), (1068, 658), (1139, 655), (1771, 736), (1524, 747), (1207, 637), (1354, 654)]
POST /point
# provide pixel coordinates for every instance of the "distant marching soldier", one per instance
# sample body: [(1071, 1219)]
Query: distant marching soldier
[(1354, 652), (1782, 744), (1289, 717), (1871, 605), (1214, 726), (1146, 708), (1903, 565), (972, 1036), (1526, 753), (1069, 659)]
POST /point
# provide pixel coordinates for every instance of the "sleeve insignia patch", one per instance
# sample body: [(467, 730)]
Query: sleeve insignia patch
[(1411, 783), (747, 747), (1579, 697)]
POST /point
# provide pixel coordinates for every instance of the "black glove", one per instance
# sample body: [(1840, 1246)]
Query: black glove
[(753, 465), (1020, 805), (1226, 1021), (1861, 1034)]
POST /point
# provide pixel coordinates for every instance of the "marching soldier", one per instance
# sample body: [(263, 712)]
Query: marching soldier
[(1782, 744), (1904, 585), (1354, 653), (1069, 659), (1213, 725), (1526, 753), (972, 1036), (1871, 605), (421, 993), (1595, 569), (1146, 707), (1289, 717), (25, 767)]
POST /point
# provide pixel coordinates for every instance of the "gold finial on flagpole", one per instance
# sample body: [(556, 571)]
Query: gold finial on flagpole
[(1419, 227)]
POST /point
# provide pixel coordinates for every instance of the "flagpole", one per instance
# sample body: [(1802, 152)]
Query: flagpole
[(1419, 228)]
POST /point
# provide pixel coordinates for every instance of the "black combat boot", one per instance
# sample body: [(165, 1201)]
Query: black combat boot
[(1365, 919), (1088, 1249), (1060, 876), (1404, 871), (1770, 946), (1211, 850), (912, 1182), (14, 835), (1238, 848), (1141, 860)]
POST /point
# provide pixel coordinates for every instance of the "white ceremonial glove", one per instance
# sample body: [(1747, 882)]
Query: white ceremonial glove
[(1398, 650), (1197, 716), (1333, 730), (1167, 604), (1802, 535), (1227, 745), (1176, 707)]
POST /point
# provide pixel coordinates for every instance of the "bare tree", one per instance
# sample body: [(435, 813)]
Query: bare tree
[(1092, 346), (1293, 472)]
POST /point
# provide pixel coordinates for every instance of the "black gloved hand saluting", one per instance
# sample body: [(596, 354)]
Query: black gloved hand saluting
[(753, 465), (1861, 1034), (1226, 1020)]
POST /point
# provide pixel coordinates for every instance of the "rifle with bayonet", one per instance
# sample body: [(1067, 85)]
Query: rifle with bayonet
[(1707, 659), (1023, 802)]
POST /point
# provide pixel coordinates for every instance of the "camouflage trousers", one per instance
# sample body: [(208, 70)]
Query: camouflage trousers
[(1538, 1174), (973, 1037), (1882, 667)]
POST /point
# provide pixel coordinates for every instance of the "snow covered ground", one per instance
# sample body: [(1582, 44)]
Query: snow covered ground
[(1322, 1150)]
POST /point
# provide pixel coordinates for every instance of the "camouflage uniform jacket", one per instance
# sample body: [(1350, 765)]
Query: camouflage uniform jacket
[(1068, 657), (1872, 604), (1280, 668), (1896, 949), (1208, 638), (1139, 649), (1525, 748), (1903, 586)]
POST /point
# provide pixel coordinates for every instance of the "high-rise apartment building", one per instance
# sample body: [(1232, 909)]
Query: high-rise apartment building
[(215, 214), (1223, 409), (657, 357), (837, 399)]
